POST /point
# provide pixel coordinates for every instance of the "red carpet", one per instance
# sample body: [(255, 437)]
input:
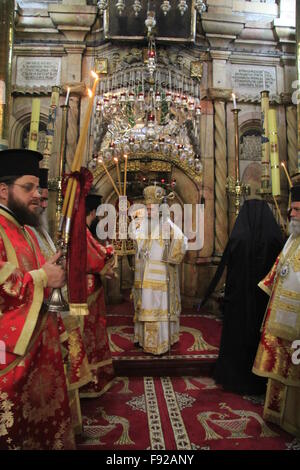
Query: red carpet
[(199, 335), (177, 413)]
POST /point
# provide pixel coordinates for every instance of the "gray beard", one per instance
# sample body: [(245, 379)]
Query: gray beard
[(294, 227)]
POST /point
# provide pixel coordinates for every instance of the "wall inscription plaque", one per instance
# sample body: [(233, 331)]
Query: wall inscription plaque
[(38, 71), (252, 79)]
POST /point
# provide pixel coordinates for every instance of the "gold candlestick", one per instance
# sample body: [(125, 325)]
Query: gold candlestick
[(235, 187), (62, 159)]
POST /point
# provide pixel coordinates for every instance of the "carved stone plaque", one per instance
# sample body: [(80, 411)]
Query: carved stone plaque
[(252, 79), (38, 71)]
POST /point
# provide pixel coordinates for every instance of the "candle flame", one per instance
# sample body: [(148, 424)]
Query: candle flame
[(90, 93), (125, 156), (93, 73)]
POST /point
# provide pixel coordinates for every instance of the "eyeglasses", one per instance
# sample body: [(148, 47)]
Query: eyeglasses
[(29, 187)]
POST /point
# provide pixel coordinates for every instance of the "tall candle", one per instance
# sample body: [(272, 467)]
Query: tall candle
[(265, 144), (118, 173), (125, 174), (34, 124), (71, 188), (67, 96), (274, 155), (287, 175), (109, 176)]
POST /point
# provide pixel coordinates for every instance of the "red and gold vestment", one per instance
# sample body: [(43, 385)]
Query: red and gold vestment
[(34, 407)]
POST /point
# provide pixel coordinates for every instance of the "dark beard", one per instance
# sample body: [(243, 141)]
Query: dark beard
[(23, 215)]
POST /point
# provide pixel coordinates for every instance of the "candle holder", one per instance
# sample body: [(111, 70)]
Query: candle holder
[(62, 160), (56, 302), (234, 186)]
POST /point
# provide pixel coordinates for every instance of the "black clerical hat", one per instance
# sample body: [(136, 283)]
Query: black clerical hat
[(19, 162), (43, 178), (295, 193), (92, 201)]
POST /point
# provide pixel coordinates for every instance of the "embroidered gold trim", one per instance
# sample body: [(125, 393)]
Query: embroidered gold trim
[(155, 428), (263, 287), (290, 293), (93, 297), (10, 251), (33, 313), (6, 271), (177, 423), (13, 364), (155, 285), (79, 309)]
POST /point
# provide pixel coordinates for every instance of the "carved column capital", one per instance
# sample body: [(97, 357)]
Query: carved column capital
[(219, 94)]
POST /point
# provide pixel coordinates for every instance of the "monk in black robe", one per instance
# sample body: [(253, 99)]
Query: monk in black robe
[(253, 246)]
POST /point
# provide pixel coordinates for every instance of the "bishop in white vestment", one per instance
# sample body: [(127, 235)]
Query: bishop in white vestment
[(156, 291)]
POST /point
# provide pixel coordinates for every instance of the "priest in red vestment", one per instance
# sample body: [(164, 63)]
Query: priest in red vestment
[(34, 407), (99, 261)]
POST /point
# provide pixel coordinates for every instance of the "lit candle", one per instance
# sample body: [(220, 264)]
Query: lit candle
[(287, 175), (67, 96), (234, 101), (109, 176), (274, 156), (76, 164), (125, 174), (118, 173)]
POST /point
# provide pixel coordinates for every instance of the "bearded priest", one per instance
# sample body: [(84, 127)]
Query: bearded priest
[(34, 407)]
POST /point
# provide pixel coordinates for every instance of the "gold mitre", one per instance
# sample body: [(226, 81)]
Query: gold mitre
[(153, 194)]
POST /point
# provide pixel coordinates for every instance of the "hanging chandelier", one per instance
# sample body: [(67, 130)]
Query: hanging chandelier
[(149, 110), (165, 5)]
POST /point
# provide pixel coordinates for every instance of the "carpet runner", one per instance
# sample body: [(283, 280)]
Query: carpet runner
[(164, 413), (199, 337)]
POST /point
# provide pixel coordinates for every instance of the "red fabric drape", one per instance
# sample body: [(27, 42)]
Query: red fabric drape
[(77, 249)]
